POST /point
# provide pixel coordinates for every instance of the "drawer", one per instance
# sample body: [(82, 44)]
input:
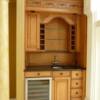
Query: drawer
[(61, 73), (76, 83), (76, 98), (76, 92), (76, 74), (38, 74)]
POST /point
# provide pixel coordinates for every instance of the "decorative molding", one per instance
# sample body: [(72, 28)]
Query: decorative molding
[(66, 18), (55, 5)]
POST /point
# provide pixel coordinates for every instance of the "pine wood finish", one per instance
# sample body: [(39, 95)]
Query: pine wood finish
[(64, 6), (76, 93), (57, 28), (38, 74), (82, 40), (76, 74), (66, 85), (64, 31), (56, 33), (32, 31), (62, 88), (61, 73), (76, 84)]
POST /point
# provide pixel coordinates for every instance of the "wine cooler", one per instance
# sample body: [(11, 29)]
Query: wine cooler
[(38, 88)]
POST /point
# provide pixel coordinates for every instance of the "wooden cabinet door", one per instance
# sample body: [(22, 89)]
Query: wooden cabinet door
[(62, 89), (32, 31), (82, 40)]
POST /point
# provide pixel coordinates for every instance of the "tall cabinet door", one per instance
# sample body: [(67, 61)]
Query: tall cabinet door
[(82, 41), (32, 31), (62, 89)]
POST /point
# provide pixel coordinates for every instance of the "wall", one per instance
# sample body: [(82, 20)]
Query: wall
[(20, 57), (4, 51), (91, 61), (97, 82), (12, 48)]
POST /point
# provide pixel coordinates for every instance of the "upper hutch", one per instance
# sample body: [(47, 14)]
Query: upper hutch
[(55, 28)]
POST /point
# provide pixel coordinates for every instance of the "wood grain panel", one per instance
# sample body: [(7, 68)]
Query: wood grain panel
[(76, 74), (72, 6), (61, 73), (76, 84), (38, 74), (31, 29), (62, 89), (76, 93)]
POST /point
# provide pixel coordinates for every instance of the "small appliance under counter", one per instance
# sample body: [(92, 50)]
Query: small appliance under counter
[(38, 88)]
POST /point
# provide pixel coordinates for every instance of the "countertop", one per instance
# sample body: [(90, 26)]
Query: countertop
[(50, 68)]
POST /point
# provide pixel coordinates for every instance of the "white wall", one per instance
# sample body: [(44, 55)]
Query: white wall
[(97, 75)]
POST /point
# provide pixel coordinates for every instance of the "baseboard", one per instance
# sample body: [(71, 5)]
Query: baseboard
[(12, 99)]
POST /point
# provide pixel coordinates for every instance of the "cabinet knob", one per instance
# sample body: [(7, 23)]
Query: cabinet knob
[(38, 74), (76, 83), (61, 73), (77, 74), (76, 92)]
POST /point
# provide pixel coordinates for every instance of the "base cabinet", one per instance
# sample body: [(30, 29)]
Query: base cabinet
[(65, 85)]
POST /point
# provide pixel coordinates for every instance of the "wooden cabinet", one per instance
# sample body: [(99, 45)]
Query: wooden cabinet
[(57, 28), (61, 85), (78, 85), (62, 88), (66, 85), (31, 31), (81, 31)]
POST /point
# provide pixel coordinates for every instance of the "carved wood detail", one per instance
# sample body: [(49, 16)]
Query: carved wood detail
[(74, 5)]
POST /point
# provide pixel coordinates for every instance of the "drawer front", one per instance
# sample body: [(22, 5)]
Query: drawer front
[(38, 74), (30, 74), (46, 74), (76, 98), (76, 84), (61, 73), (76, 74), (76, 93)]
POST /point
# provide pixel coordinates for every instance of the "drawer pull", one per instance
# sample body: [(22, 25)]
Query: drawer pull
[(38, 74), (76, 83), (76, 92), (77, 74), (61, 73)]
